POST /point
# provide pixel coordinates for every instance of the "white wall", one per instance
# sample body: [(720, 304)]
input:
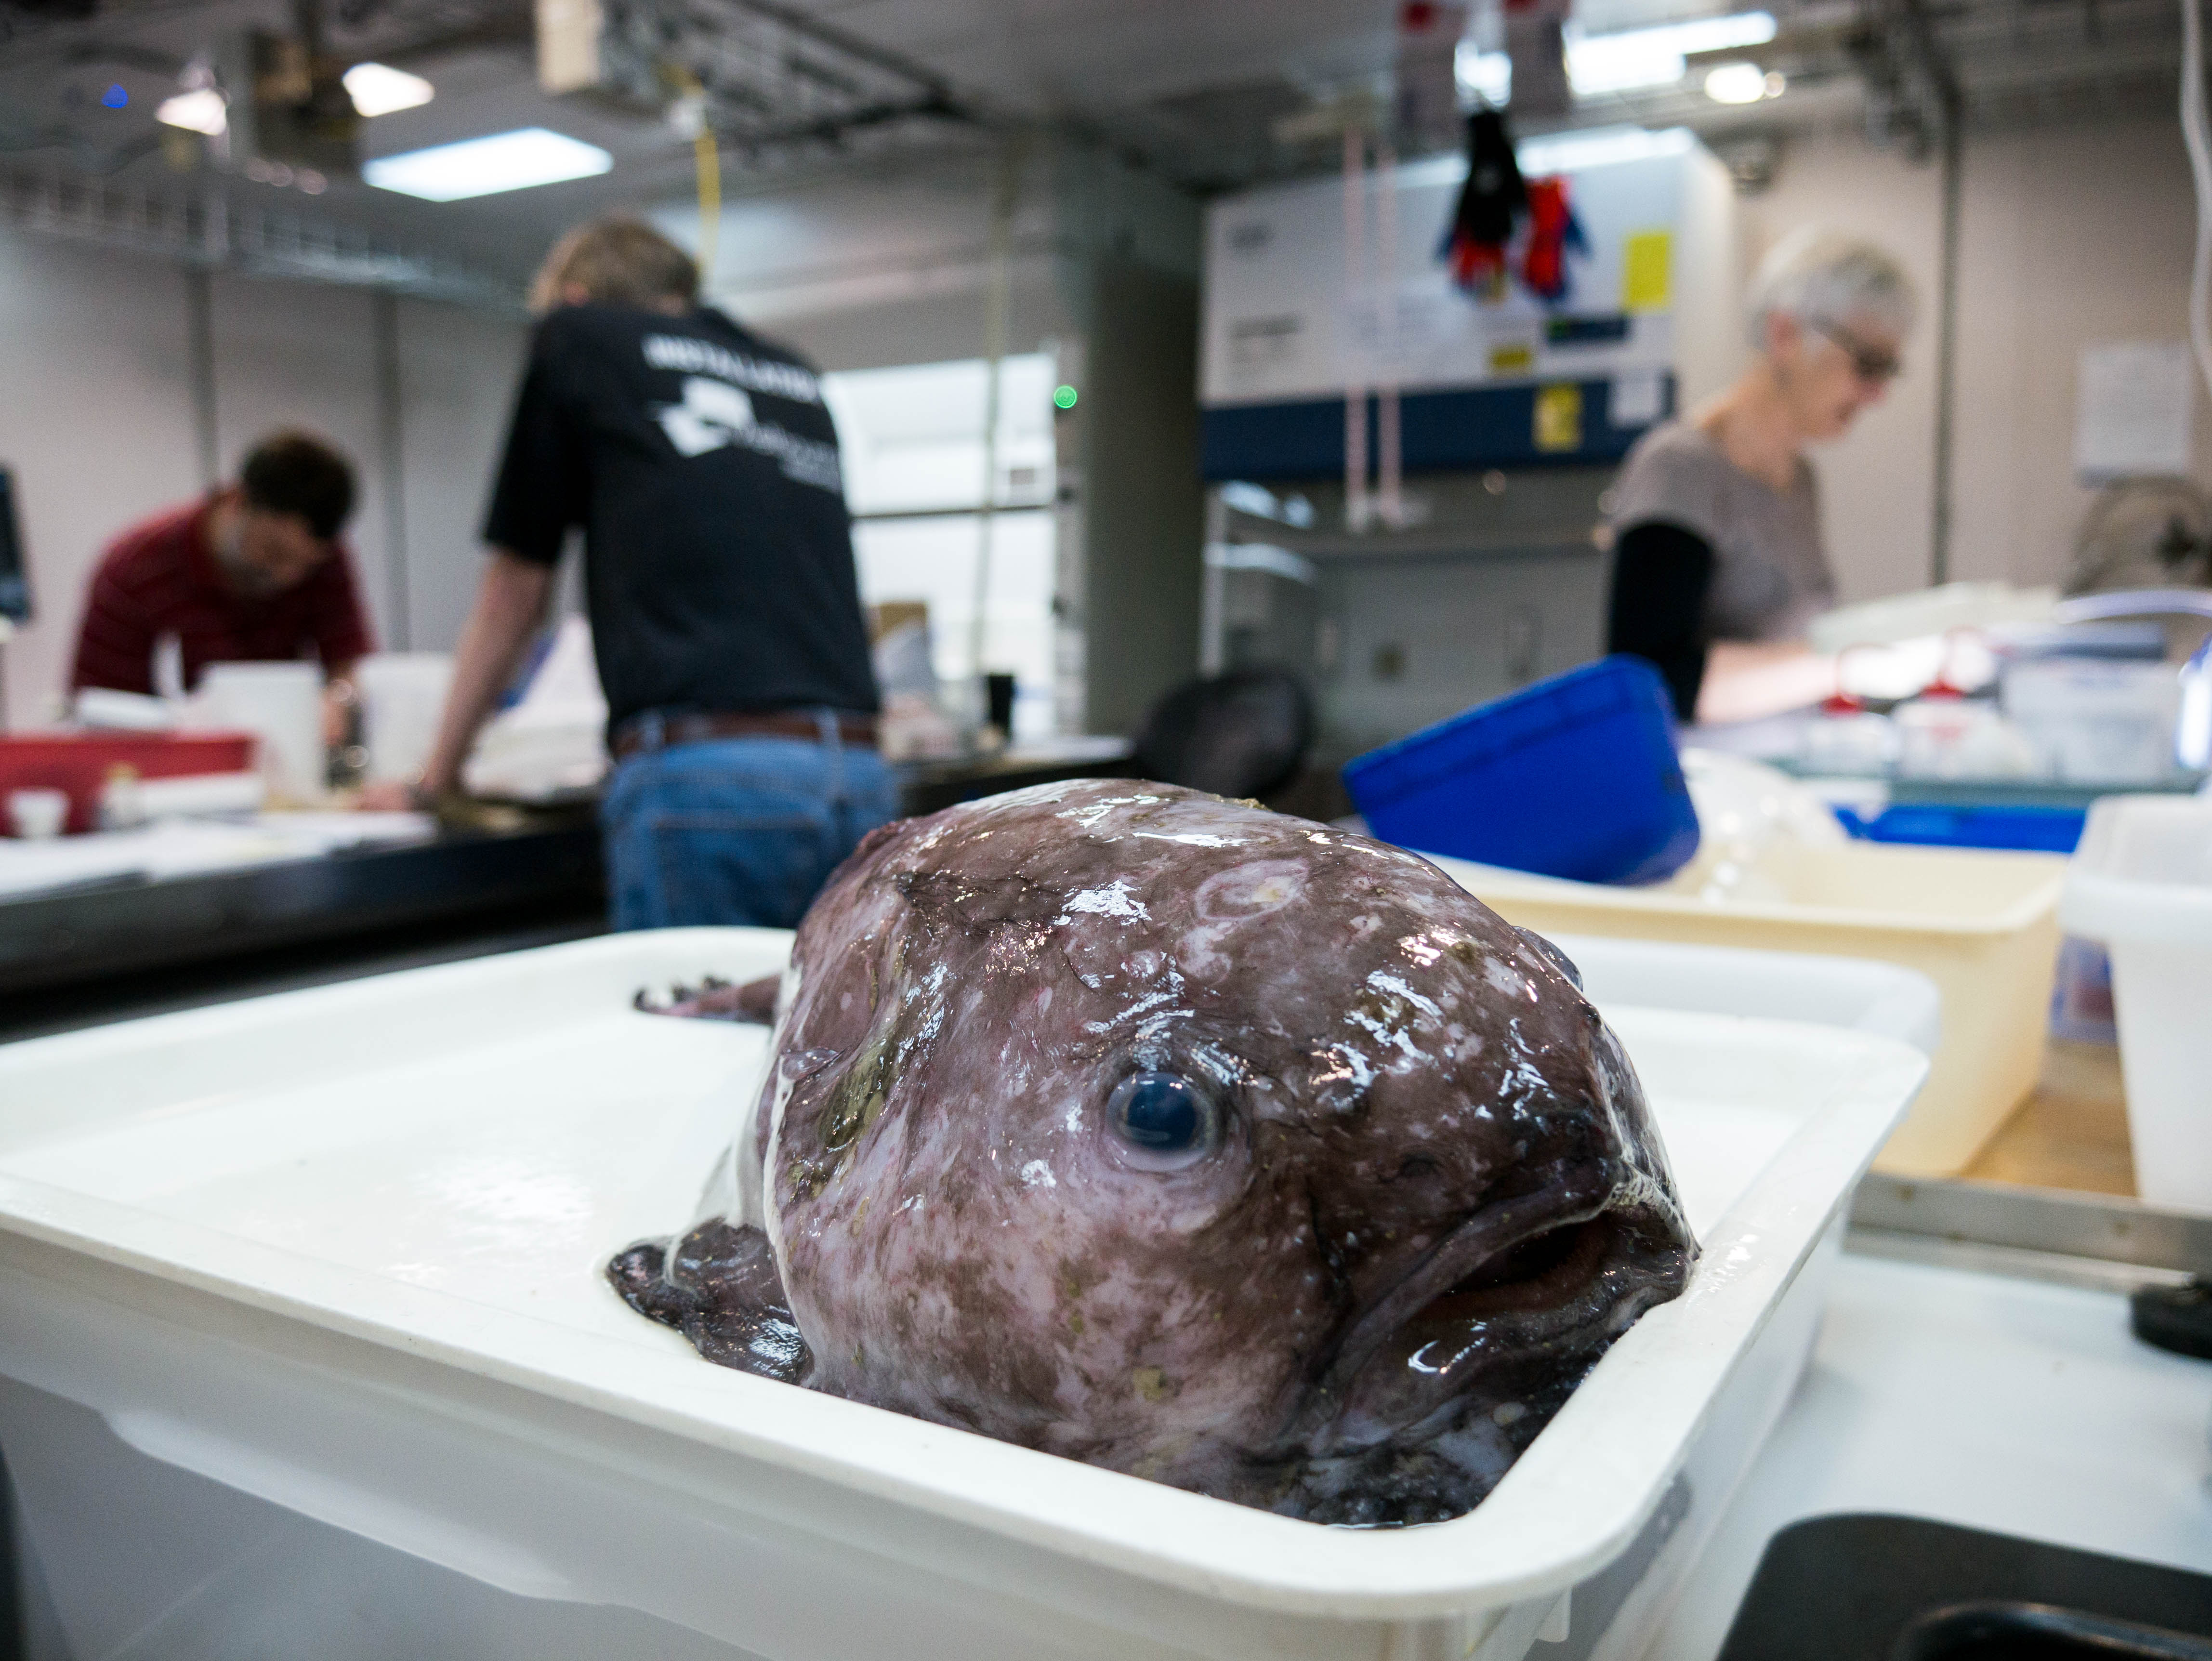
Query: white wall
[(100, 428), (458, 371), (96, 424), (865, 271), (2071, 235), (297, 354)]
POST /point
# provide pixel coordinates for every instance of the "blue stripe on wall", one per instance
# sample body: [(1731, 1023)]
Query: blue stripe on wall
[(1478, 427)]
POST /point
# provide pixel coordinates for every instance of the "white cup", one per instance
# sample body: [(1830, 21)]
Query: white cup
[(281, 705), (38, 815)]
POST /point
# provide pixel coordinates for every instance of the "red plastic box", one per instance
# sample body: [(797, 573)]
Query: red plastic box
[(80, 762)]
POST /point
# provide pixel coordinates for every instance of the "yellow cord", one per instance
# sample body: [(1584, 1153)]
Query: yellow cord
[(710, 204), (709, 160)]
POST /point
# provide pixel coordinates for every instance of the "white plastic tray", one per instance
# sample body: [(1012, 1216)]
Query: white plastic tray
[(339, 1249)]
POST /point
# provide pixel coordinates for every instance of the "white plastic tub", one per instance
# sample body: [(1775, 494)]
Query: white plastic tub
[(337, 1251), (1982, 925), (2142, 883), (1853, 993)]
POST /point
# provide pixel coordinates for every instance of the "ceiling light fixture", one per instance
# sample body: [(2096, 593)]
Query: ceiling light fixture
[(1631, 59), (378, 89), (483, 167), (200, 110), (1488, 75), (1743, 83), (1736, 83)]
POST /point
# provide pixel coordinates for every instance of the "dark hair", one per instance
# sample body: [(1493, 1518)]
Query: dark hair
[(618, 262), (294, 473)]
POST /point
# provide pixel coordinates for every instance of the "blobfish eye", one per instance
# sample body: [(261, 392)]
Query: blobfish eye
[(1163, 1115)]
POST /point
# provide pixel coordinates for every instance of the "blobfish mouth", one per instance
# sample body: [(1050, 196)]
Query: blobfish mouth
[(1474, 1255), (1515, 1274)]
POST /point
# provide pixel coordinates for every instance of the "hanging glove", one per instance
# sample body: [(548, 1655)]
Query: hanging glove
[(1490, 202), (1553, 230)]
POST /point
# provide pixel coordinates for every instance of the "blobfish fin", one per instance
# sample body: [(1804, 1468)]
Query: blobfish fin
[(715, 999), (721, 1291)]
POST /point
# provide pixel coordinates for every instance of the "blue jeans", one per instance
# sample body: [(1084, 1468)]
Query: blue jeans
[(735, 830)]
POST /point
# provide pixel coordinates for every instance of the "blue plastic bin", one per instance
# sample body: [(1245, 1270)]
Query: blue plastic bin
[(1575, 776), (1928, 824)]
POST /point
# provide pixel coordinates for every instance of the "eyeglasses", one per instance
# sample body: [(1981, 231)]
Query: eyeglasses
[(1872, 364)]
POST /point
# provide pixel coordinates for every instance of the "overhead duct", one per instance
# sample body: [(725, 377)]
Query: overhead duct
[(288, 100)]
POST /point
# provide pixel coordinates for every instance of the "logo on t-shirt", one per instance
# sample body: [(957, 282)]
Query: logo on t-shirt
[(711, 414), (718, 414)]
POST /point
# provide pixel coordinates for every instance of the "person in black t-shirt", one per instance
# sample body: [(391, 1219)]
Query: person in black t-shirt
[(701, 463)]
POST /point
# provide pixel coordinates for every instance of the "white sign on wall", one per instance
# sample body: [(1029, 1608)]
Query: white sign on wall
[(1284, 324), (2132, 408)]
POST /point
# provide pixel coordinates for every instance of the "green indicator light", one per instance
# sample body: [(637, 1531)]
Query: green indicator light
[(1064, 397)]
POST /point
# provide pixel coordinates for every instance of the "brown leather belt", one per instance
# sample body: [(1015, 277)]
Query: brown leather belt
[(638, 733)]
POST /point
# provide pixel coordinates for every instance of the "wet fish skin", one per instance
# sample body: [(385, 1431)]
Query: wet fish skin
[(1430, 1196)]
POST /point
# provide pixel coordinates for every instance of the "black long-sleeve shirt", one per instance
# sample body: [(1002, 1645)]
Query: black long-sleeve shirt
[(1661, 573)]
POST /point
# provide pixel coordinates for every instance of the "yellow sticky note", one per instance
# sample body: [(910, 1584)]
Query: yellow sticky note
[(1517, 358), (1560, 418), (1647, 272)]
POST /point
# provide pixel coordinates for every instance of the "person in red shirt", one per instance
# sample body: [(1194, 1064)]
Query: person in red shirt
[(252, 572)]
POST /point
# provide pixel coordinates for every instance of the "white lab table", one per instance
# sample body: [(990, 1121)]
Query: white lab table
[(2009, 1405)]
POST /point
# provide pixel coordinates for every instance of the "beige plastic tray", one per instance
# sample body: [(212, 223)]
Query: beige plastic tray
[(1983, 926)]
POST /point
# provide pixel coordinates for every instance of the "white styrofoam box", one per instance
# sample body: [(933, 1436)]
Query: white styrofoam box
[(2141, 883), (339, 1250), (281, 705), (402, 695)]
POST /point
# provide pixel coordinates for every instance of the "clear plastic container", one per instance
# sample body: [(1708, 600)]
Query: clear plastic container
[(2141, 885), (2097, 722), (1983, 926)]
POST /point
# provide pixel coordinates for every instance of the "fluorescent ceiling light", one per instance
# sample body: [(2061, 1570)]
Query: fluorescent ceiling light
[(480, 167), (202, 111), (378, 89), (1629, 59)]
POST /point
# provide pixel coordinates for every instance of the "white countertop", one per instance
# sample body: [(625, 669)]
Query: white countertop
[(2003, 1404), (182, 848)]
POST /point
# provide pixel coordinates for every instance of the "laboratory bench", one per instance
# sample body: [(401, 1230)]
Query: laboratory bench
[(128, 945), (1946, 1392), (1977, 1423), (103, 933)]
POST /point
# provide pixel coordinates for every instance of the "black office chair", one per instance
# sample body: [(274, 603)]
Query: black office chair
[(1239, 734)]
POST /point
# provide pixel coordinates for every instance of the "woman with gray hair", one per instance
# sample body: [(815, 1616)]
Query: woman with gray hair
[(1718, 561)]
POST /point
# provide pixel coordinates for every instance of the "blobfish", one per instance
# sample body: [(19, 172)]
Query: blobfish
[(1199, 1142)]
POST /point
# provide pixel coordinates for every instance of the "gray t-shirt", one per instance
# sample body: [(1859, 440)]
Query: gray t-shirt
[(1771, 575)]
